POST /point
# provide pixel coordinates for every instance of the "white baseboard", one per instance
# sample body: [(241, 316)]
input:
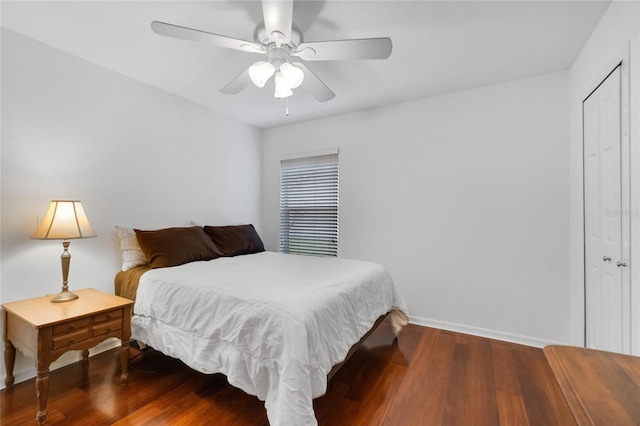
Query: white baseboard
[(483, 332), (68, 358)]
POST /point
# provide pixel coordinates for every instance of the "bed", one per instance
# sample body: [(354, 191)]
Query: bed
[(274, 324)]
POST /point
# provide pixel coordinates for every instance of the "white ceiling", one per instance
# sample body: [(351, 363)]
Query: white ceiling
[(438, 47)]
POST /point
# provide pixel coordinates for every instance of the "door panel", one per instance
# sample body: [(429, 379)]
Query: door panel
[(603, 216), (592, 277)]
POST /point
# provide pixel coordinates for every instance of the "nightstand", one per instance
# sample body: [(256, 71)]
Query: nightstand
[(44, 331)]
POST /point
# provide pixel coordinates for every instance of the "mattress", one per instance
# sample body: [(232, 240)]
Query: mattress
[(273, 323)]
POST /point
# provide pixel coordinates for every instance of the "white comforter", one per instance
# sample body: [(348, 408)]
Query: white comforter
[(274, 324)]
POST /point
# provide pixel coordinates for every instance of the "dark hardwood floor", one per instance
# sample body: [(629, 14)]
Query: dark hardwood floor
[(427, 377)]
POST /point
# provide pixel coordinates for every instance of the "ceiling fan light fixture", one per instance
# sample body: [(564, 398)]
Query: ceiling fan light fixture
[(260, 72), (283, 90), (293, 75)]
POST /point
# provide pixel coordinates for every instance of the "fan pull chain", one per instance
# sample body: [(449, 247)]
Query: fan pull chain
[(286, 110)]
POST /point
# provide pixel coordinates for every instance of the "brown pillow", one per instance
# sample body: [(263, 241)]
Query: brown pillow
[(176, 246), (235, 240)]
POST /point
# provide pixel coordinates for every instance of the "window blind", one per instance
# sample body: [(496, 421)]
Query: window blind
[(309, 205)]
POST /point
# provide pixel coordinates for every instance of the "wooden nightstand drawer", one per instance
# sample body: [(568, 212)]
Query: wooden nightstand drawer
[(71, 327), (107, 327), (108, 316), (69, 339)]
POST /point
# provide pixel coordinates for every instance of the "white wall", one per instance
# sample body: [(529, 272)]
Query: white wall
[(134, 155), (463, 197), (617, 27)]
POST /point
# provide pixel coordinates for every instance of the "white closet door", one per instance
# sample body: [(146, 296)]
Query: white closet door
[(603, 217)]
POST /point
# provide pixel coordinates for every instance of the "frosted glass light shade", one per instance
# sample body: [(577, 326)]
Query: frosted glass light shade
[(282, 86), (260, 72), (65, 220), (292, 74)]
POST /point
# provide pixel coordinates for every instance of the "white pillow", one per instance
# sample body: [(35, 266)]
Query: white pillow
[(132, 254)]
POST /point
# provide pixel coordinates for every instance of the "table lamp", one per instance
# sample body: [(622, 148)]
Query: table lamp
[(64, 221)]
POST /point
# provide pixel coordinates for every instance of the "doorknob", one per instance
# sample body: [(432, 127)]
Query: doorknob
[(606, 258), (620, 264)]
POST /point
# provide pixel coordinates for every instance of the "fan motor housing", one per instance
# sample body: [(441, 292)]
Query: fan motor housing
[(261, 37)]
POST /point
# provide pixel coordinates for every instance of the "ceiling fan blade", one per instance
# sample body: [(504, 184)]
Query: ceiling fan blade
[(314, 85), (185, 33), (366, 48), (278, 19), (236, 85)]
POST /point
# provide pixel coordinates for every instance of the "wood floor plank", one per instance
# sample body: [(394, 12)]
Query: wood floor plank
[(540, 395), (511, 407), (139, 417), (426, 377), (471, 395), (421, 394), (602, 388)]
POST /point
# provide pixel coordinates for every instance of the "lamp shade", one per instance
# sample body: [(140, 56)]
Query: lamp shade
[(260, 72), (282, 87), (65, 220), (292, 74)]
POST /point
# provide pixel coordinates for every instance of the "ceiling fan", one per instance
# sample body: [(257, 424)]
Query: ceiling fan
[(281, 42)]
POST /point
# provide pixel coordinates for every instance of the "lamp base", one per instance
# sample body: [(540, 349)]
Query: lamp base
[(63, 296)]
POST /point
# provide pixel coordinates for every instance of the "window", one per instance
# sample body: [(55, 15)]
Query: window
[(309, 205)]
